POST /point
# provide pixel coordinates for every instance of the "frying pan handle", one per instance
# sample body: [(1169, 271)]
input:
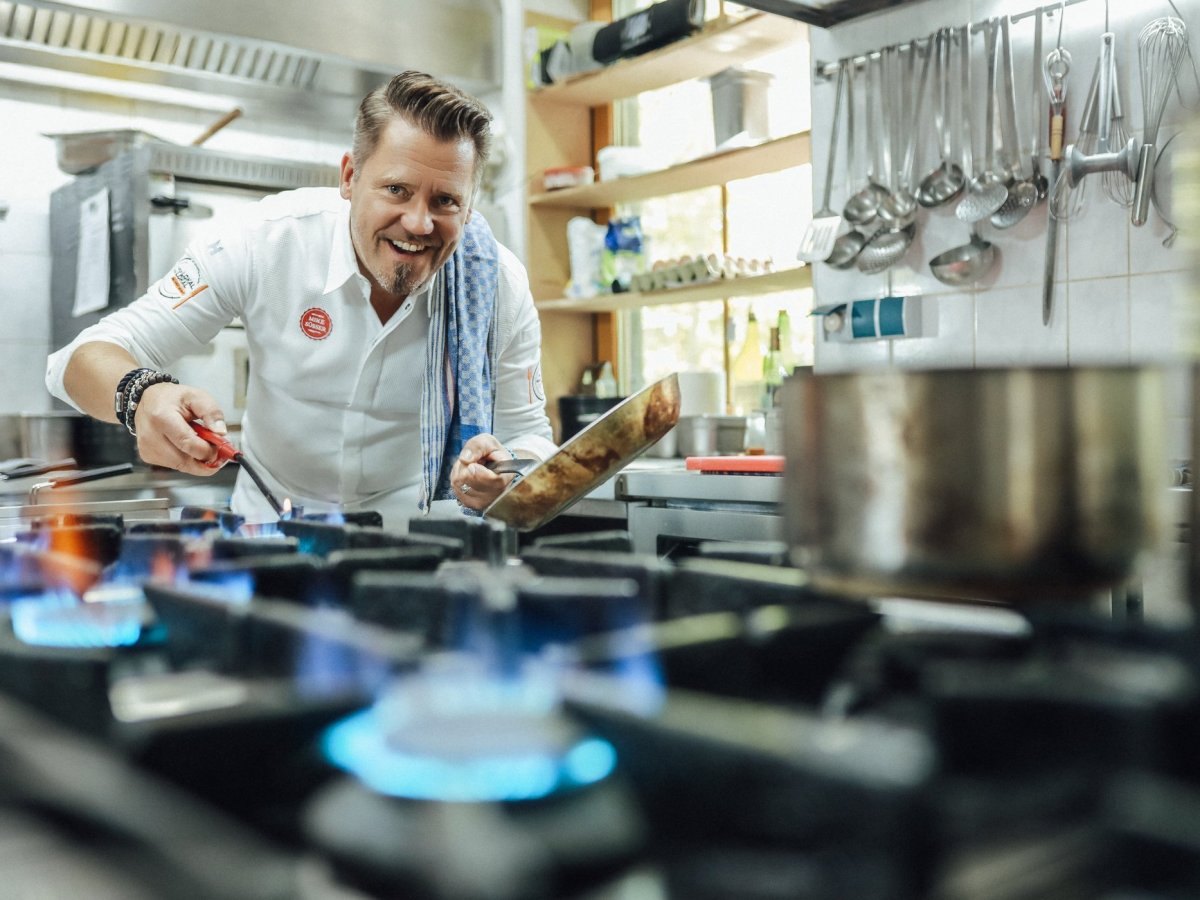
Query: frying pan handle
[(515, 466)]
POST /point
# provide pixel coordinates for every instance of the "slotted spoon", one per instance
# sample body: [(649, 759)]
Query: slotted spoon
[(1022, 192), (986, 192)]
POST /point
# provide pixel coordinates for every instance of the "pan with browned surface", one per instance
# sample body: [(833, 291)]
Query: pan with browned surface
[(590, 458)]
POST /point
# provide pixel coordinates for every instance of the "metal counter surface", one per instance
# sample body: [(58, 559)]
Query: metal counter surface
[(141, 484), (678, 484)]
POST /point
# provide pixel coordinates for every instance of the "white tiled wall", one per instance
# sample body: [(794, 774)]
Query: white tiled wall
[(1115, 282), (29, 173)]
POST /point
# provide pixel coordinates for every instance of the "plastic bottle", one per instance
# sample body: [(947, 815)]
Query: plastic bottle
[(747, 370)]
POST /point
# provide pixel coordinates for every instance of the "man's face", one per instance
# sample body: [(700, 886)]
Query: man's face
[(409, 203)]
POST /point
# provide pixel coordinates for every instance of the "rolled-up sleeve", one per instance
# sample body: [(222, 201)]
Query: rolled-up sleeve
[(176, 317), (520, 419)]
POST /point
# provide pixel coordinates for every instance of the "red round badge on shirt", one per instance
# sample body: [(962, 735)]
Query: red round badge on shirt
[(315, 322)]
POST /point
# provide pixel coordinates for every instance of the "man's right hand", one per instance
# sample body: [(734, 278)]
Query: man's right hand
[(164, 433)]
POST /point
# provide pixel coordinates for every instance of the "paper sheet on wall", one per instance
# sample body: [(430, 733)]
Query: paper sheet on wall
[(91, 273)]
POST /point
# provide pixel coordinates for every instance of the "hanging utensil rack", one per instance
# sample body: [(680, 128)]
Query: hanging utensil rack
[(825, 70)]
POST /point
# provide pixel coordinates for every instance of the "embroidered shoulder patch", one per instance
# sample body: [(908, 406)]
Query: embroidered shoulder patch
[(182, 283)]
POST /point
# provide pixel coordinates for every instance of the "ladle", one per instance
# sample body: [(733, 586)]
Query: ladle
[(1022, 192), (967, 262), (946, 182), (899, 210), (863, 205), (987, 191), (887, 245), (847, 246)]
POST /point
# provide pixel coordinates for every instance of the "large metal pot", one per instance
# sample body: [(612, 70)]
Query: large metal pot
[(1019, 485)]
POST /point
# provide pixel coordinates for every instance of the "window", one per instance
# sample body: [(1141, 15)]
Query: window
[(756, 218)]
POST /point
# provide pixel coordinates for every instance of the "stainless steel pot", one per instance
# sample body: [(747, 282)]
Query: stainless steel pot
[(59, 434), (1019, 485)]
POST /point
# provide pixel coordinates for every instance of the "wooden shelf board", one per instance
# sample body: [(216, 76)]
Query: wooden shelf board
[(707, 171), (786, 280), (720, 44)]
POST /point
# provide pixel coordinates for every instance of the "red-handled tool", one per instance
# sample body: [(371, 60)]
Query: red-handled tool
[(226, 451)]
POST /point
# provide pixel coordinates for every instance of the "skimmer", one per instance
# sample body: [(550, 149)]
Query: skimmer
[(986, 192)]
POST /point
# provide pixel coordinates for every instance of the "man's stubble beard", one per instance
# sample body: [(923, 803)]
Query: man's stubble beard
[(403, 281)]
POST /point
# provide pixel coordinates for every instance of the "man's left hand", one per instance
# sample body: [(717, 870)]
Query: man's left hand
[(475, 485)]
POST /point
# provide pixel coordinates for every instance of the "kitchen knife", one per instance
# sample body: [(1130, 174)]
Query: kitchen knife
[(226, 451)]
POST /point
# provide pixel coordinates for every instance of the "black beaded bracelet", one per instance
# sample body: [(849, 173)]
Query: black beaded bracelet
[(122, 387), (137, 387)]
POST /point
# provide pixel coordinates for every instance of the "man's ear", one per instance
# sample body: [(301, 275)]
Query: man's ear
[(347, 176)]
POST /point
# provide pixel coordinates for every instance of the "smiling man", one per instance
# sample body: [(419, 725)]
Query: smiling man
[(394, 345)]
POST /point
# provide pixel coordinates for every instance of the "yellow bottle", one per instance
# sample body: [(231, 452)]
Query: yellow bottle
[(747, 370)]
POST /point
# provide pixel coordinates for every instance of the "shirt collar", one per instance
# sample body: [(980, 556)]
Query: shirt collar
[(343, 264)]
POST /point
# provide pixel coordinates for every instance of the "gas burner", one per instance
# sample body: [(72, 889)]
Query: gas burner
[(112, 617), (490, 771)]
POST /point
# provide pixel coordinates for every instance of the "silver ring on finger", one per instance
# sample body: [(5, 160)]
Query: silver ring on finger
[(466, 488)]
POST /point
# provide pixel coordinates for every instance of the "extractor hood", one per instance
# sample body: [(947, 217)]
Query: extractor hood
[(269, 55), (824, 13)]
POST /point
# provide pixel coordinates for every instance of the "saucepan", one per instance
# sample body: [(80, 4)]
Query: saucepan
[(589, 458), (1016, 485)]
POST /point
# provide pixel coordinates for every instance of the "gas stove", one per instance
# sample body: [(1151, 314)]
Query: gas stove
[(324, 708)]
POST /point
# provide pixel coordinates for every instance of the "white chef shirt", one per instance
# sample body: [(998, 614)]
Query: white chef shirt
[(332, 416)]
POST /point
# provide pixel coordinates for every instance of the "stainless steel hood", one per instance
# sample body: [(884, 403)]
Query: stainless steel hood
[(825, 13), (268, 55)]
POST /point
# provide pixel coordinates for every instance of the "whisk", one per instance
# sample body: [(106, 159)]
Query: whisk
[(1116, 185), (1162, 45)]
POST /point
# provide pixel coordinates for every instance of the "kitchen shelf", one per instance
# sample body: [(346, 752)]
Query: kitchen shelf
[(786, 280), (707, 171), (722, 43)]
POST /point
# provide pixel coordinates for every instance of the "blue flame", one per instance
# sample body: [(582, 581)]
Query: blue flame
[(59, 620), (359, 745), (236, 588), (327, 666)]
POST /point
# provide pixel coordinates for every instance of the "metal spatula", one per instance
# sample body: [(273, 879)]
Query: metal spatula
[(817, 243)]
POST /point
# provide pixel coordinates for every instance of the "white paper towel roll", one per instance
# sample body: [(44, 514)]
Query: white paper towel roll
[(701, 393)]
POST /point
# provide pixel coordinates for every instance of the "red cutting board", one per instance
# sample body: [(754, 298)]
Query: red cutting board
[(736, 465)]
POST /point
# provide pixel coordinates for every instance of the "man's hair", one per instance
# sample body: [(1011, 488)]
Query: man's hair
[(440, 110)]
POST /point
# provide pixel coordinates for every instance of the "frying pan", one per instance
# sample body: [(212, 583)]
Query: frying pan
[(590, 458)]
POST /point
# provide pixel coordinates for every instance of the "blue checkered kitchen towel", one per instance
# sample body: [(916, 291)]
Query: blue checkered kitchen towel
[(458, 395)]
